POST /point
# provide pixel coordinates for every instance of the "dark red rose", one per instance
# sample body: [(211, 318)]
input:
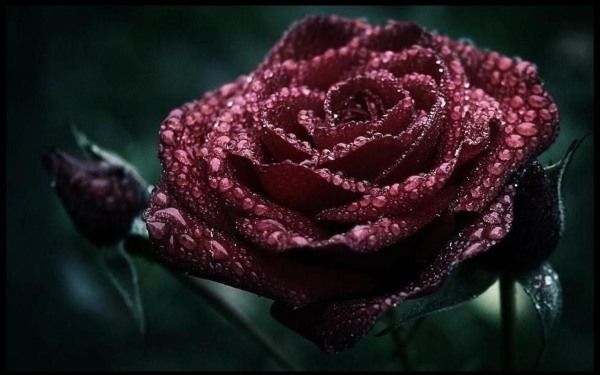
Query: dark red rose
[(101, 198), (353, 169)]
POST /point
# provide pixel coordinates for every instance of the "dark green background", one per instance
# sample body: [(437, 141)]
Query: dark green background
[(118, 71)]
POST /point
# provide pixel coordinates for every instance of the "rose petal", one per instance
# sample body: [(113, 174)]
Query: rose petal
[(397, 198), (189, 244), (395, 36), (281, 109), (530, 112), (323, 71), (303, 189), (335, 326), (312, 36)]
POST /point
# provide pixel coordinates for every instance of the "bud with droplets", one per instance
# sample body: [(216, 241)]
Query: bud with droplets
[(100, 197)]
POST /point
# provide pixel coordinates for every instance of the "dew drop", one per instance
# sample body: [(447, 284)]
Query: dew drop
[(225, 184), (238, 268), (260, 209), (172, 214), (217, 251), (379, 201), (514, 141), (247, 204), (215, 164), (269, 224), (157, 230), (474, 248), (168, 137), (496, 169), (298, 241), (496, 233), (537, 101), (492, 218), (182, 157), (187, 242), (527, 129), (505, 155)]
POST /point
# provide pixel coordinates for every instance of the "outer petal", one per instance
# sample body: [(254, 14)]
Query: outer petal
[(531, 118), (312, 36), (195, 247), (335, 326)]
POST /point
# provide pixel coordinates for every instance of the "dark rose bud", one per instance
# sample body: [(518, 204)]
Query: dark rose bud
[(101, 198), (353, 169)]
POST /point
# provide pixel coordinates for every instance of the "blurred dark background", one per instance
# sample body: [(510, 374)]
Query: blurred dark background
[(117, 72)]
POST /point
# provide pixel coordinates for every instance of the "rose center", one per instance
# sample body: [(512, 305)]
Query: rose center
[(360, 106)]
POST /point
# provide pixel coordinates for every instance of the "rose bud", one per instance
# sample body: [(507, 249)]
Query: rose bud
[(101, 198), (353, 169)]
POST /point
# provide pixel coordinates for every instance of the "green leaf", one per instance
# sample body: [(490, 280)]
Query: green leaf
[(465, 283), (542, 285), (557, 171), (95, 152)]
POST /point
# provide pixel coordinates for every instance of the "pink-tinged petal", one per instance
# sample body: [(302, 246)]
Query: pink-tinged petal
[(418, 157), (365, 158), (192, 246), (335, 326), (452, 85), (393, 122), (484, 115), (286, 146), (306, 190), (181, 135), (232, 176), (370, 95), (395, 36), (282, 110), (530, 113), (393, 200), (414, 161), (312, 36), (334, 65), (411, 61), (370, 238)]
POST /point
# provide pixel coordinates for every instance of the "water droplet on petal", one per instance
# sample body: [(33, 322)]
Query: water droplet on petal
[(187, 242), (527, 129), (238, 268), (514, 141), (379, 201), (172, 214), (182, 157), (217, 251), (496, 233), (157, 230)]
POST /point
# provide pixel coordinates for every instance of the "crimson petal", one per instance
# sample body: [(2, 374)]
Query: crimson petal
[(530, 112), (312, 36), (303, 189), (200, 250), (335, 326)]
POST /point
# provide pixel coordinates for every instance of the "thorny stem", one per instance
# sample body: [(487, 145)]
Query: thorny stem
[(508, 316)]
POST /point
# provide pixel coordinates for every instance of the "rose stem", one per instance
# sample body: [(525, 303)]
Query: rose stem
[(232, 315), (508, 316)]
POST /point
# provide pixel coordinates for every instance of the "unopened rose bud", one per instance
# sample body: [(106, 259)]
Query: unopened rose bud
[(101, 198)]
